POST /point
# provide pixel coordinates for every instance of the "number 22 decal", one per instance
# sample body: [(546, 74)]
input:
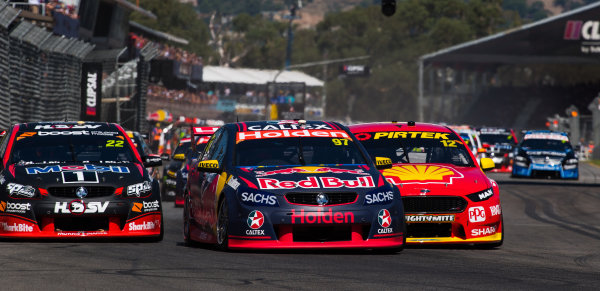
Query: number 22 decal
[(114, 143)]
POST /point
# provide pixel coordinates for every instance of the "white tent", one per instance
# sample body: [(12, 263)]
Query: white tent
[(213, 74)]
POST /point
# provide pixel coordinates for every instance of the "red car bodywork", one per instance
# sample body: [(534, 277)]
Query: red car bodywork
[(436, 205)]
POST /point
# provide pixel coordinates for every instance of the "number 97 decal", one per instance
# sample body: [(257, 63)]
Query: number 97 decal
[(339, 141), (111, 143)]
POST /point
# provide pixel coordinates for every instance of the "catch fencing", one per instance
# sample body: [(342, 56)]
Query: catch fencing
[(40, 73)]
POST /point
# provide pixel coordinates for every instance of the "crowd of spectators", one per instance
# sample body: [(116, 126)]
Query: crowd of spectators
[(49, 7), (175, 53), (200, 97)]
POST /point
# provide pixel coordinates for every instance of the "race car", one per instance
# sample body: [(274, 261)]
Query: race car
[(76, 180), (169, 178), (544, 153), (291, 184), (201, 135), (447, 197), (498, 144)]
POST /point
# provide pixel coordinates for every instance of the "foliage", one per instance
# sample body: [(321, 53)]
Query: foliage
[(234, 7), (177, 19)]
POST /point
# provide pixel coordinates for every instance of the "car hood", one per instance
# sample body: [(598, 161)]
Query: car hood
[(93, 174), (436, 179), (356, 178)]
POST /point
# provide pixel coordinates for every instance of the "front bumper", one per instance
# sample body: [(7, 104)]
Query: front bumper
[(534, 170), (99, 218), (318, 227)]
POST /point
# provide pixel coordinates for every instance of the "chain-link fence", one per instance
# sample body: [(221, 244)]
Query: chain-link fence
[(40, 73)]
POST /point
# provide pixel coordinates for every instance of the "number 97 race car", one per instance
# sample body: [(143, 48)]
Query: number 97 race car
[(290, 184), (74, 180)]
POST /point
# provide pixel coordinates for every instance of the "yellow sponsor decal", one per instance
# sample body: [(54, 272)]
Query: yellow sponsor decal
[(411, 134), (383, 161), (406, 174), (491, 238)]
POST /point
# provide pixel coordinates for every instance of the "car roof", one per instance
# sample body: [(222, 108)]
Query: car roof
[(398, 126), (62, 125), (284, 124)]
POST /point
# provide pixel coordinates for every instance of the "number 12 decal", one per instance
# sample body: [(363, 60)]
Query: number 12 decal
[(449, 143)]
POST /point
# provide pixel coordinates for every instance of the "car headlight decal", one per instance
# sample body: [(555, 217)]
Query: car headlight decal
[(481, 195)]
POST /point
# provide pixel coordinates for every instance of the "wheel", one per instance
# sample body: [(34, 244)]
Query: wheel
[(186, 222), (222, 225), (496, 244)]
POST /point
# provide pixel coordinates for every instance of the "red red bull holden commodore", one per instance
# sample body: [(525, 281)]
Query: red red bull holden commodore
[(74, 180), (447, 197), (291, 184)]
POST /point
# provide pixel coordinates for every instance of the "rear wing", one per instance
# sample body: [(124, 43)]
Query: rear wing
[(203, 132)]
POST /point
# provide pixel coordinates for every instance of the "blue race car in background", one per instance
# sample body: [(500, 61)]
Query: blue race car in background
[(544, 153)]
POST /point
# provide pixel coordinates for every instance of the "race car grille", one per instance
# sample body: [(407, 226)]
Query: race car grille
[(428, 229), (93, 191), (434, 204), (335, 198), (81, 224)]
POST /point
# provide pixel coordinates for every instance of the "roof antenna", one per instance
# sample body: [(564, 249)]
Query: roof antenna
[(237, 118), (66, 116)]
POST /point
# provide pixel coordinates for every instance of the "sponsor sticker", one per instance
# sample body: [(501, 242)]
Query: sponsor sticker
[(313, 182), (261, 199), (139, 189), (495, 210), (86, 167), (320, 216), (483, 231), (429, 218), (379, 198), (80, 177), (244, 135), (310, 170), (476, 214), (68, 126), (255, 220), (233, 183), (146, 225), (421, 174), (11, 207), (289, 126), (79, 207), (402, 134), (16, 227), (145, 206), (17, 190)]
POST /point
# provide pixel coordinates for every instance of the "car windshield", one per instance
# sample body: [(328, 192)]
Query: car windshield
[(420, 147), (182, 148), (497, 138), (297, 151), (45, 147), (546, 144)]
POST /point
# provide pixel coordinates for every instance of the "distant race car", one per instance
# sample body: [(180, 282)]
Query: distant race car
[(446, 196), (139, 142), (76, 180), (544, 153), (291, 184), (201, 135), (169, 178), (498, 144)]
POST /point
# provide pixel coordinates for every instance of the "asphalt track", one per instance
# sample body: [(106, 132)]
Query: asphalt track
[(552, 241)]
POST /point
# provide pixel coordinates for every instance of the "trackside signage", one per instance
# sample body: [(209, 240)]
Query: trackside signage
[(586, 31), (91, 91)]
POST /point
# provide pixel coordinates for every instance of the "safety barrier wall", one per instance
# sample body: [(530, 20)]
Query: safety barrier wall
[(40, 73)]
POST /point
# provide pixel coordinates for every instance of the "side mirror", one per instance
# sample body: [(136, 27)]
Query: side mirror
[(487, 164), (152, 161), (164, 157), (211, 166), (179, 157), (383, 163)]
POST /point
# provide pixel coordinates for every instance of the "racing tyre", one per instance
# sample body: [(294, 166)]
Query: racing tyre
[(186, 223), (496, 244), (222, 225)]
